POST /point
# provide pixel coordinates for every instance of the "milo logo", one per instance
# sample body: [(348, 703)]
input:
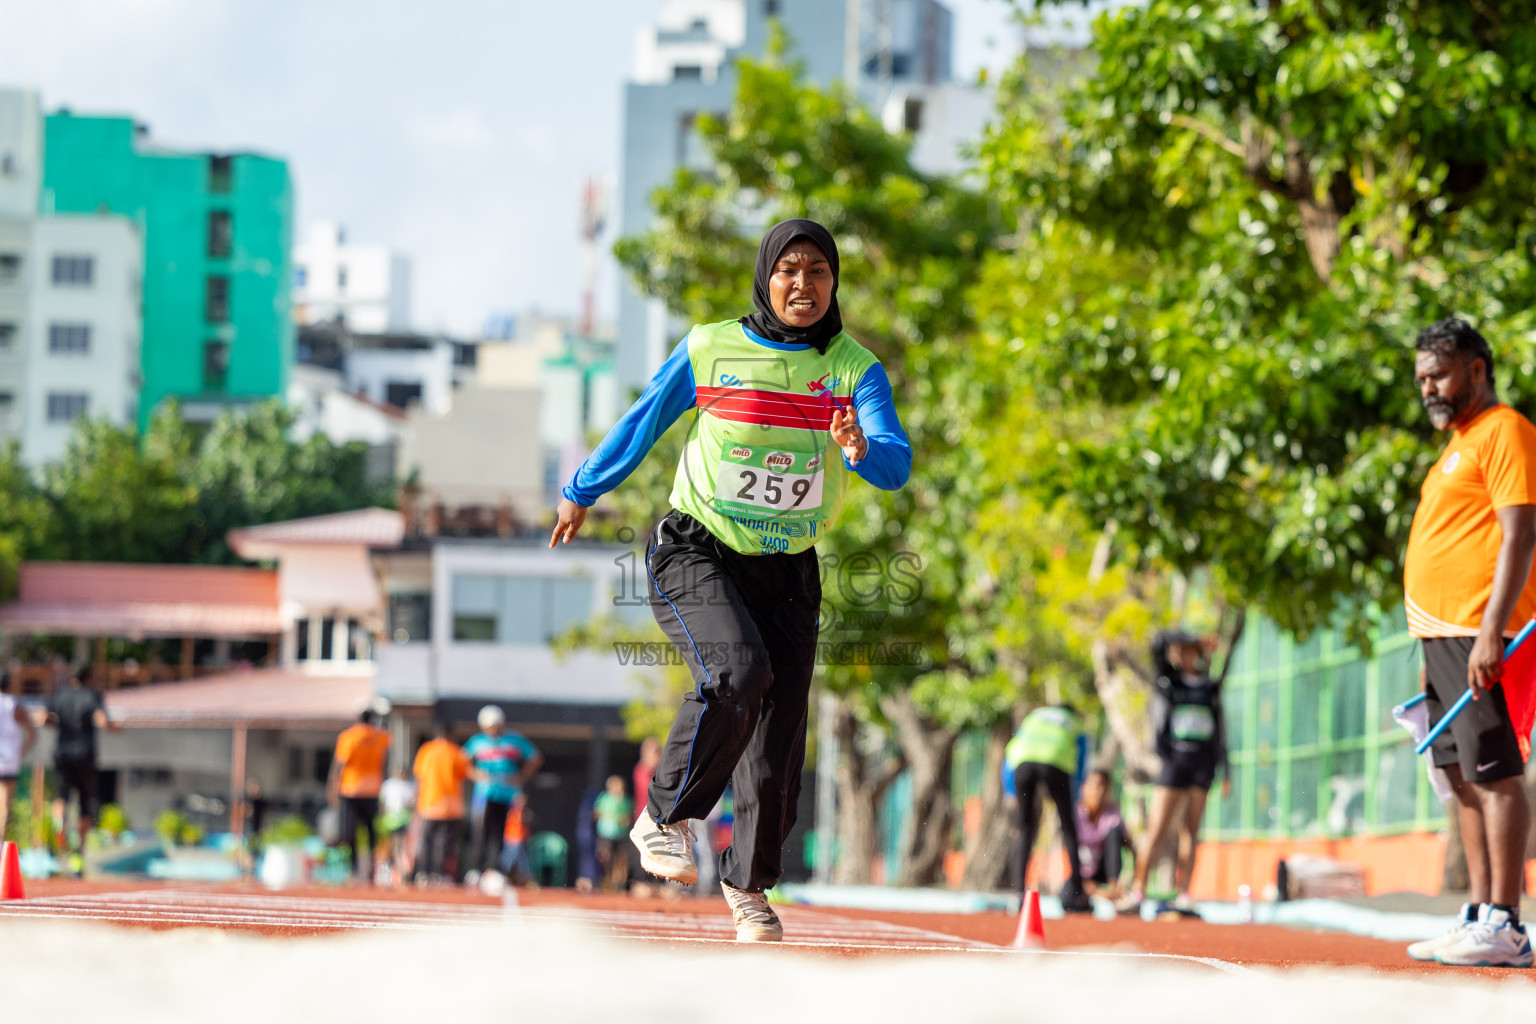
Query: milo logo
[(778, 460), (741, 451), (815, 461)]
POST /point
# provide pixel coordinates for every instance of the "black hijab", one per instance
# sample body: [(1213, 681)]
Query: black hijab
[(765, 323)]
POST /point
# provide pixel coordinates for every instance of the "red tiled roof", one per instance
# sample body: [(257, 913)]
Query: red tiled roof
[(260, 698), (370, 527), (116, 599)]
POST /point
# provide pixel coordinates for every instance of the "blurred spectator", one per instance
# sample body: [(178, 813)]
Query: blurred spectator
[(357, 773), (1192, 744), (76, 709), (1101, 836), (587, 870), (397, 803), (645, 768), (514, 850), (1048, 751), (441, 770), (505, 761), (17, 737), (614, 812)]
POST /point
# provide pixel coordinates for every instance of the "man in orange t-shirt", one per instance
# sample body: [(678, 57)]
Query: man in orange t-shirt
[(442, 768), (357, 772), (1467, 587)]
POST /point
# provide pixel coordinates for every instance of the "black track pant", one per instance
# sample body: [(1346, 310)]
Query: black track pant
[(1028, 778), (746, 626), (439, 846), (360, 812), (487, 823)]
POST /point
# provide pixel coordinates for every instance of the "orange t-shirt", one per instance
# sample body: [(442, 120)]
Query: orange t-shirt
[(441, 768), (361, 751), (1454, 543)]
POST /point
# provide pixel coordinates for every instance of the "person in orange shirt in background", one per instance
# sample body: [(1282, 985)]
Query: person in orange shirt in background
[(357, 772), (1468, 588), (441, 769)]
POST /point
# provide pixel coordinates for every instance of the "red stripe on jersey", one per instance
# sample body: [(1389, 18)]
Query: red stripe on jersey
[(770, 408)]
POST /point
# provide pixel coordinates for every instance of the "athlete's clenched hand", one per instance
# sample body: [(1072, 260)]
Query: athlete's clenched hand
[(849, 435), (568, 519)]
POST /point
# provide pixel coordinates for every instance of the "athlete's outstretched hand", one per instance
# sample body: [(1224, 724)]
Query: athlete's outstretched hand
[(849, 435), (568, 519)]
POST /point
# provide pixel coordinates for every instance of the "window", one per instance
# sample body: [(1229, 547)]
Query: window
[(68, 338), (10, 267), (699, 25), (295, 764), (687, 73), (74, 271), (691, 151), (323, 758), (301, 640), (771, 8), (518, 609), (912, 114), (300, 276), (327, 639), (341, 279), (221, 173), (7, 334), (221, 234), (215, 365), (7, 410), (401, 394), (66, 406), (410, 617), (216, 308)]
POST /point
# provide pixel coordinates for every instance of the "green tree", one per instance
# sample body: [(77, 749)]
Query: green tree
[(1239, 220), (26, 518), (117, 499), (249, 470)]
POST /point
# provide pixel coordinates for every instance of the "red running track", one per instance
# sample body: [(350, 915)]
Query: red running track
[(808, 930)]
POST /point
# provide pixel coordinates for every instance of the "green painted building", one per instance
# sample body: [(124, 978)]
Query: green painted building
[(217, 236)]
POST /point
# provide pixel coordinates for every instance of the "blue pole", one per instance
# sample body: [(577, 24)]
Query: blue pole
[(1461, 702)]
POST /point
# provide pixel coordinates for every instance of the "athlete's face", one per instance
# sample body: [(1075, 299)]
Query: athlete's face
[(800, 288), (1447, 384), (1095, 788)]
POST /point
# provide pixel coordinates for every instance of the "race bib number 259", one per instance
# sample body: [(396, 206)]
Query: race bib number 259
[(759, 480)]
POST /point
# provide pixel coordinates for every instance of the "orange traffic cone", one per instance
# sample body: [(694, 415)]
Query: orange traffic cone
[(1031, 933), (10, 872)]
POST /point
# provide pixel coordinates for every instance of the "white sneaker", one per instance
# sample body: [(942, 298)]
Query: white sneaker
[(755, 919), (666, 851), (1493, 941), (1425, 951)]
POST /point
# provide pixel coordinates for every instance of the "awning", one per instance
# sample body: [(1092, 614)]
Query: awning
[(139, 601), (255, 698)]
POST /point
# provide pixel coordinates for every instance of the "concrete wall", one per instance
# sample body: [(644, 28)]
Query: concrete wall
[(21, 152), (486, 449), (372, 370)]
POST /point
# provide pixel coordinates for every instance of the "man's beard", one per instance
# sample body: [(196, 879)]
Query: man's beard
[(1444, 411)]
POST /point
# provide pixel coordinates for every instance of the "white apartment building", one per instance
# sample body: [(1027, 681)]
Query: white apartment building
[(83, 324), (366, 287), (70, 302)]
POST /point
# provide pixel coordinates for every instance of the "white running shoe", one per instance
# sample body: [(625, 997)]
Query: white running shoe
[(1425, 951), (755, 919), (666, 851), (1493, 941)]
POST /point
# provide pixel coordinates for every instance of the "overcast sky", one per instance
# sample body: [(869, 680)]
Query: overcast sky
[(458, 132)]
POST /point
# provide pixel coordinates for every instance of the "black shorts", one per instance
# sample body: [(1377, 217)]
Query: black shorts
[(1481, 739), (77, 775), (1187, 771)]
